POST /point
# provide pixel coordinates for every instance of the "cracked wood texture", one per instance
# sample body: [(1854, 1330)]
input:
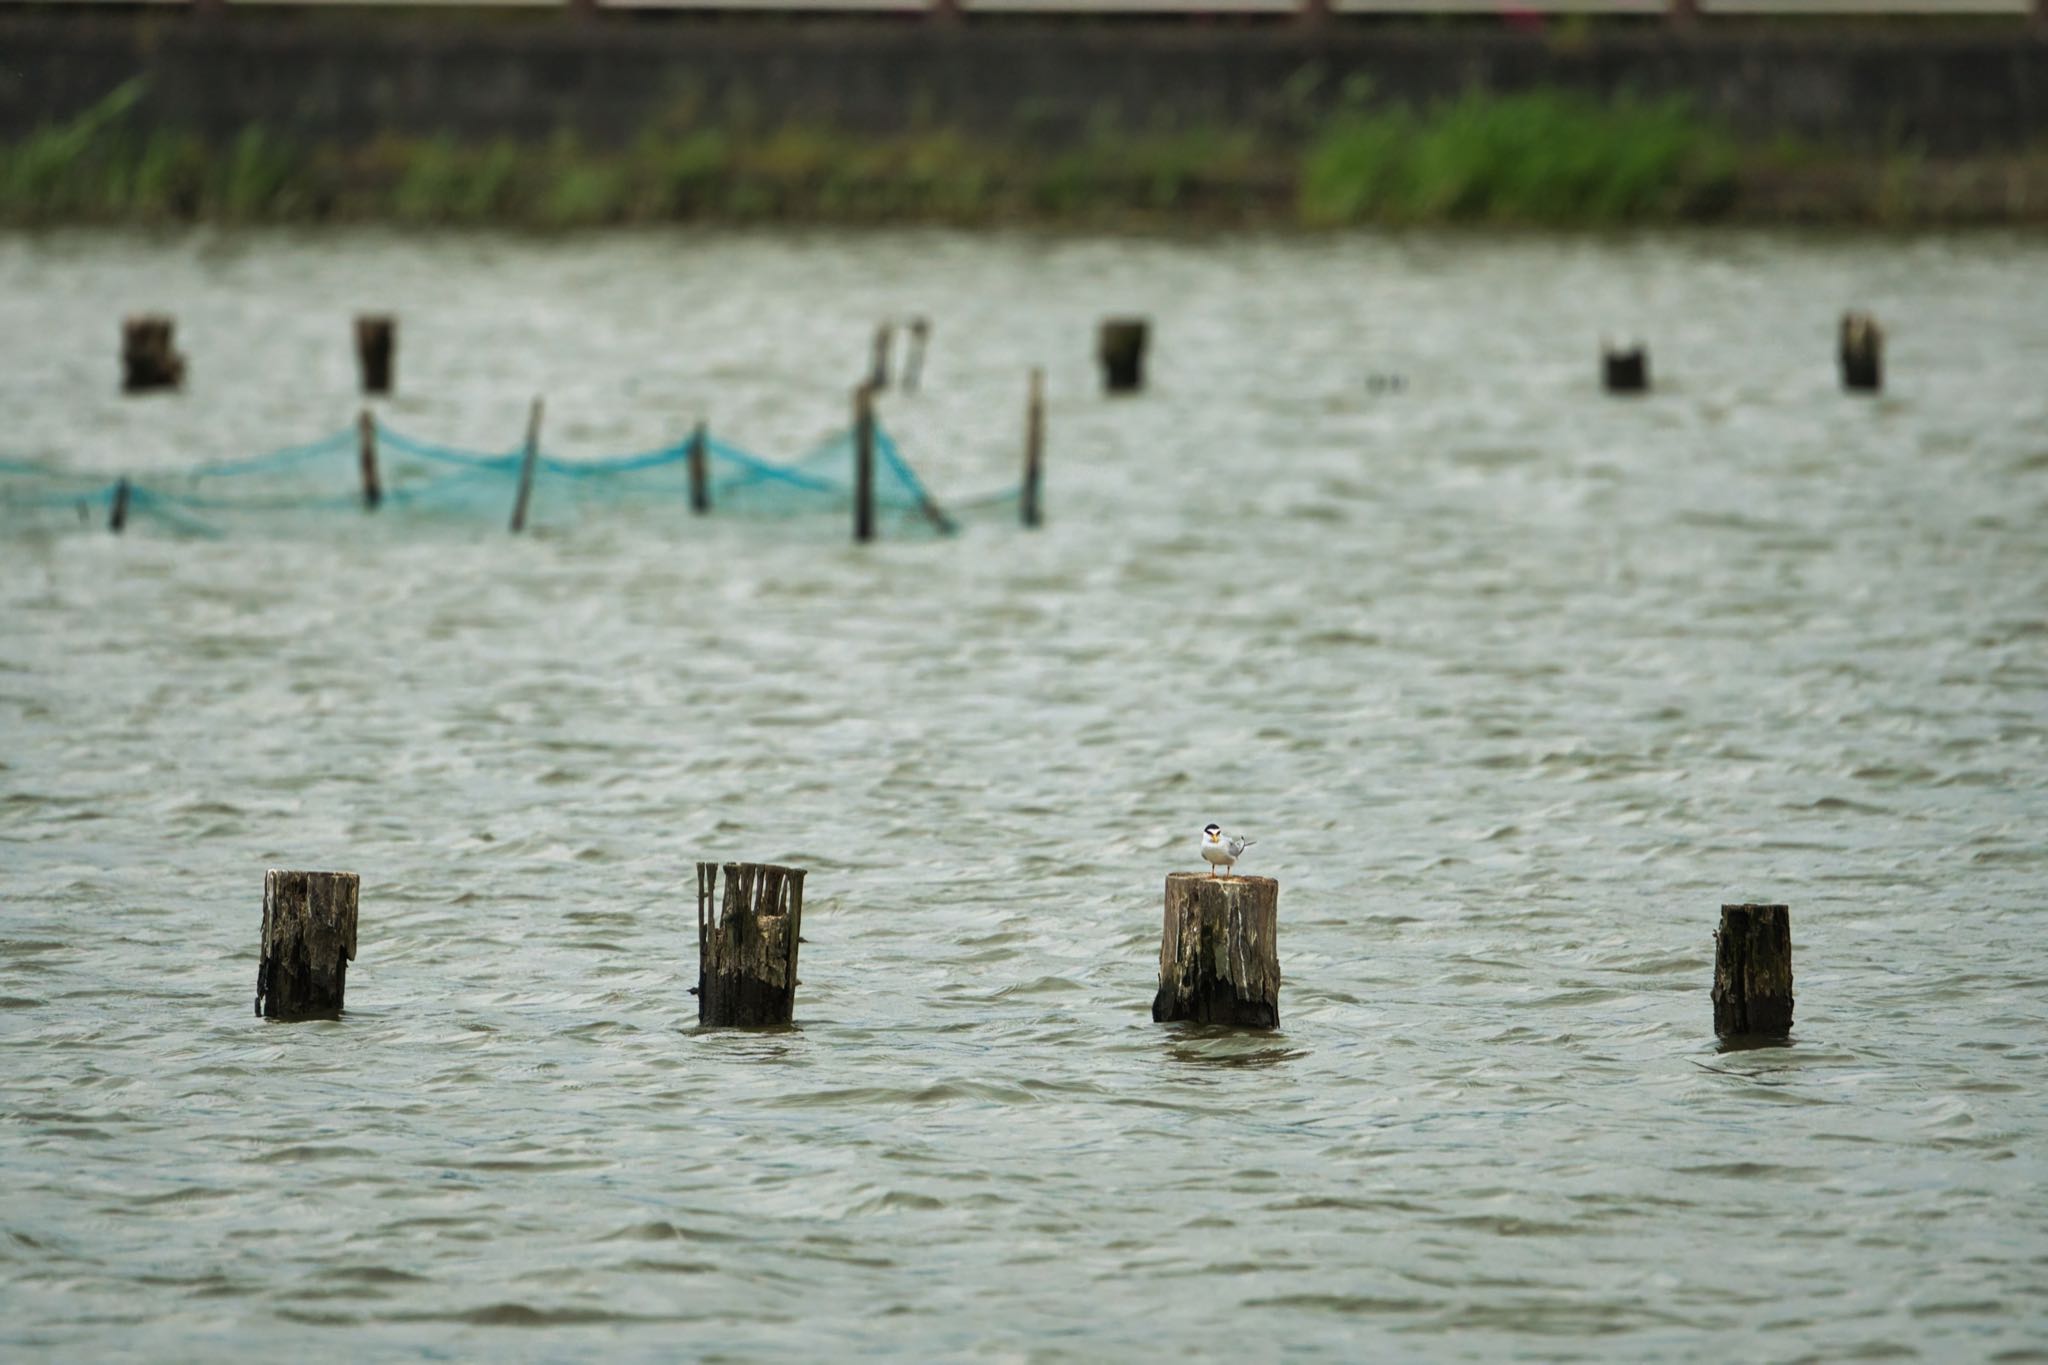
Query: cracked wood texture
[(746, 946), (1753, 971), (1219, 961), (309, 938)]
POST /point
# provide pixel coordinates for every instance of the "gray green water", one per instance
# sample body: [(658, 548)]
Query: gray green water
[(1515, 685)]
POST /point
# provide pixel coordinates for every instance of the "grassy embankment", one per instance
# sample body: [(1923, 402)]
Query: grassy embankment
[(1549, 159)]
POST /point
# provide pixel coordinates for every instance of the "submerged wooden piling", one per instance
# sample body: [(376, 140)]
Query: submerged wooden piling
[(149, 356), (1862, 353), (376, 350), (747, 945), (309, 938), (1625, 370), (1219, 957), (913, 363), (117, 514), (526, 464), (366, 458), (700, 471), (1120, 346), (863, 464), (1034, 450), (1753, 972)]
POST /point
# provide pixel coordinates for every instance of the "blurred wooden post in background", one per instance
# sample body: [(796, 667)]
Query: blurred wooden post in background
[(878, 370), (746, 950), (1683, 13), (1034, 450), (376, 350), (700, 471), (149, 355), (526, 464), (1753, 972), (117, 515), (1862, 353), (1625, 370), (1219, 957), (1120, 346), (863, 464), (913, 363), (366, 458), (309, 938)]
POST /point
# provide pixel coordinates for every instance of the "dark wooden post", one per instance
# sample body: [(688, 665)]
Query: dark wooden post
[(1862, 352), (1753, 972), (878, 371), (746, 950), (913, 363), (700, 472), (376, 350), (366, 456), (1219, 960), (117, 515), (526, 465), (1120, 345), (149, 357), (1315, 13), (309, 938), (863, 464), (1683, 13), (1626, 371), (1034, 450)]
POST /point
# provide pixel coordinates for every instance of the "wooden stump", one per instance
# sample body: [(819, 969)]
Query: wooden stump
[(1753, 972), (309, 938), (1219, 961), (1626, 371), (149, 359), (863, 464), (746, 948), (700, 471), (1862, 353), (1034, 451), (376, 345), (1120, 346)]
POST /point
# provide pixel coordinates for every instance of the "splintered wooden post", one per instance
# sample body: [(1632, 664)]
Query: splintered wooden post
[(366, 457), (376, 348), (878, 372), (149, 359), (700, 472), (913, 363), (1862, 349), (1120, 346), (1219, 961), (863, 464), (1626, 370), (1034, 449), (309, 938), (526, 465), (1753, 972), (117, 515), (746, 947)]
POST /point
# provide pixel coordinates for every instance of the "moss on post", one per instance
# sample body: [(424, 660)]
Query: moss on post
[(1219, 958)]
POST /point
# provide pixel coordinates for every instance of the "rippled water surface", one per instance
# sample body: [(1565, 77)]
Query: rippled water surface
[(1515, 685)]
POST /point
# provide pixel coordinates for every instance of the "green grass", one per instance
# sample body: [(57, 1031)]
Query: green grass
[(1541, 158)]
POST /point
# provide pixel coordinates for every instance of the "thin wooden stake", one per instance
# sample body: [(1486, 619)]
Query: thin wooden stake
[(878, 372), (863, 464), (913, 364), (366, 452), (1034, 449), (700, 472), (118, 517), (526, 469)]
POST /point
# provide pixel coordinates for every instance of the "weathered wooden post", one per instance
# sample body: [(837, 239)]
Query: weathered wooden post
[(700, 471), (1120, 345), (376, 348), (1682, 13), (1219, 959), (1625, 370), (863, 464), (746, 949), (149, 358), (309, 938), (366, 458), (1753, 972), (913, 363), (526, 464), (117, 515), (1034, 450), (1862, 351), (878, 371)]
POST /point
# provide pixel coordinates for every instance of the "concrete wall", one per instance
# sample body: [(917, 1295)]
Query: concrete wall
[(349, 77)]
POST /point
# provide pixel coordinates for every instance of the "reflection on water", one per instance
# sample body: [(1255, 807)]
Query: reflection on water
[(1515, 685)]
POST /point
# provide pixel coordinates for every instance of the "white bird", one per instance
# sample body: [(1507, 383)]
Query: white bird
[(1222, 850)]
